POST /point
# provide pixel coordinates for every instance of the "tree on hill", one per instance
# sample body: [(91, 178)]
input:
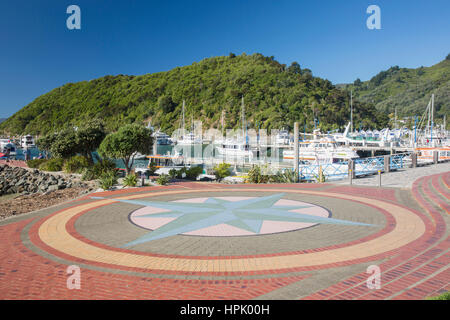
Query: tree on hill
[(208, 87), (124, 143)]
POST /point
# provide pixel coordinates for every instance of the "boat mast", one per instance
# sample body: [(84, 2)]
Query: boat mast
[(222, 121), (432, 117), (243, 118), (395, 119), (351, 111), (183, 119)]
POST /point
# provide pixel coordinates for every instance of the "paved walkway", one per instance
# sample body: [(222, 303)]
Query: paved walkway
[(210, 241), (403, 178)]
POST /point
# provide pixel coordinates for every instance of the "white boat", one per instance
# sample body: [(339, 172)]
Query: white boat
[(27, 142), (189, 139), (283, 138), (7, 144), (162, 138), (235, 148), (321, 151)]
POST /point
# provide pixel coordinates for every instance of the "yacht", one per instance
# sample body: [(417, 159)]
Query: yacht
[(188, 138)]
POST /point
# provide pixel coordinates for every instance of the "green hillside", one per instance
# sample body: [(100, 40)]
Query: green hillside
[(407, 89), (275, 96)]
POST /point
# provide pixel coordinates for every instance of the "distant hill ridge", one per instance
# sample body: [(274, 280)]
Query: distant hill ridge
[(275, 96), (407, 89)]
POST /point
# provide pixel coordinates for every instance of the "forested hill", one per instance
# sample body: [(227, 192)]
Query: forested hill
[(275, 95), (407, 89)]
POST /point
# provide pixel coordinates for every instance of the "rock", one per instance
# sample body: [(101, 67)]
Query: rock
[(52, 188)]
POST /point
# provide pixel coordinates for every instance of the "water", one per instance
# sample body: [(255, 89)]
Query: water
[(204, 151)]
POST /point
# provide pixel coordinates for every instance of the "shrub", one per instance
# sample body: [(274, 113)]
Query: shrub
[(98, 169), (286, 176), (152, 168), (193, 172), (54, 164), (35, 163), (108, 179), (88, 175), (163, 179), (130, 180), (444, 296), (255, 175), (180, 173), (173, 173), (76, 164), (222, 170)]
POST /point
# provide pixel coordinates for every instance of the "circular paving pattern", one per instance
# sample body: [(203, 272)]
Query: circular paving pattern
[(150, 218), (58, 233)]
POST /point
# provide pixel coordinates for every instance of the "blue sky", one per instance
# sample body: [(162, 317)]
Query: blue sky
[(39, 53)]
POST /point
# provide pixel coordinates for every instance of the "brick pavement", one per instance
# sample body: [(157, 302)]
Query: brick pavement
[(410, 246)]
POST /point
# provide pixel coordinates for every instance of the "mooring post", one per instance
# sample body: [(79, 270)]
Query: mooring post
[(387, 163), (155, 147), (413, 160), (296, 155), (435, 157), (379, 178)]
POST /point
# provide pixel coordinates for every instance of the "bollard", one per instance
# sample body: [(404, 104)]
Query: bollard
[(142, 180), (413, 160), (379, 178), (435, 157), (350, 176), (387, 163)]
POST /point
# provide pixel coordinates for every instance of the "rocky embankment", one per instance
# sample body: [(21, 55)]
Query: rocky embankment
[(16, 180)]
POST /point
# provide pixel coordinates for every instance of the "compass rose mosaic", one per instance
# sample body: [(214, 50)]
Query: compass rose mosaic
[(227, 216)]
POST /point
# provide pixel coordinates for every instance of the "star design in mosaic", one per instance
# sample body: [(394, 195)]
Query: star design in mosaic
[(246, 214)]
